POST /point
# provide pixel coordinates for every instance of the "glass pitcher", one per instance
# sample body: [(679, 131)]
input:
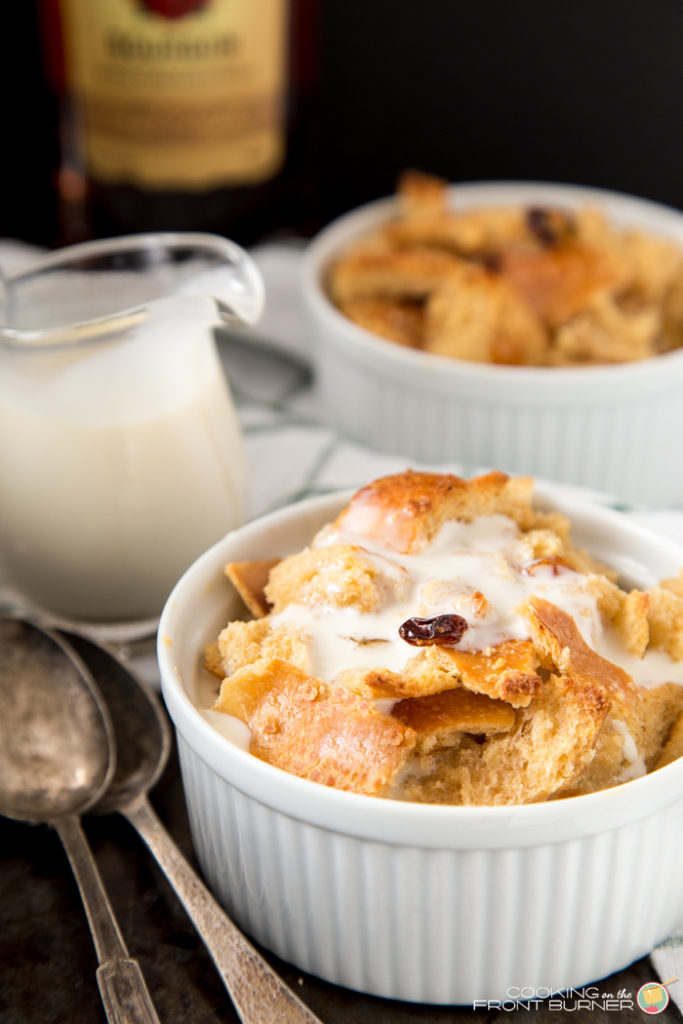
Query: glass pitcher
[(120, 452)]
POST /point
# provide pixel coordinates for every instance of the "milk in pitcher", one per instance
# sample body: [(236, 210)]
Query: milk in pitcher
[(120, 462)]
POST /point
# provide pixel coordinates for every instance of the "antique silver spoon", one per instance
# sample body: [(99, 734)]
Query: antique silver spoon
[(57, 755), (143, 740)]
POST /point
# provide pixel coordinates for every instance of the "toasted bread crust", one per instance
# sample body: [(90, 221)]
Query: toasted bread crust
[(557, 635), (394, 319), (410, 273), (299, 725), (535, 285), (438, 718), (249, 580), (480, 316), (406, 510)]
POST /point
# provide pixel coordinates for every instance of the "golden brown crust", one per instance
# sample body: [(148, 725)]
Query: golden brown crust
[(438, 719), (410, 273), (506, 672), (249, 580), (475, 234), (333, 737), (559, 281), (422, 195), (393, 319), (338, 576), (537, 285), (405, 511), (479, 316), (556, 633)]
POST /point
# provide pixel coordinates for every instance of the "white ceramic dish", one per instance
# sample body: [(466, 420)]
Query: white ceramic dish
[(616, 428), (415, 902)]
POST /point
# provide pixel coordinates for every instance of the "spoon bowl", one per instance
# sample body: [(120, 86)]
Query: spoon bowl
[(56, 736), (140, 726), (57, 757)]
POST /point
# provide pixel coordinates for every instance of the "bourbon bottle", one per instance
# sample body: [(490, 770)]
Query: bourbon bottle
[(172, 113)]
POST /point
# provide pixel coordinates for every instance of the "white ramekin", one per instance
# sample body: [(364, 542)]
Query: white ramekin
[(616, 428), (415, 902)]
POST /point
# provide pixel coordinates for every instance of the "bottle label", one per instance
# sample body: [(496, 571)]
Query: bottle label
[(178, 94)]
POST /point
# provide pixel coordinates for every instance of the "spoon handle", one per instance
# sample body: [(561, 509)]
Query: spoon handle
[(124, 993), (258, 993)]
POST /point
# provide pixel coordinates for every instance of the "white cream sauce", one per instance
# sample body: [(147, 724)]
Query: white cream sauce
[(120, 462), (634, 763), (488, 556), (232, 728)]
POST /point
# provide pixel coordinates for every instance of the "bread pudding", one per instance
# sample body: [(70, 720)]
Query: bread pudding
[(444, 641), (536, 286)]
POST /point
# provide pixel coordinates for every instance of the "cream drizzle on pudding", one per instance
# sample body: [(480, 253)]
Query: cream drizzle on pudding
[(483, 571)]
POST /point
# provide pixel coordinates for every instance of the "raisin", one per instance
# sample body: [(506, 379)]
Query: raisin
[(549, 227), (493, 262), (440, 629)]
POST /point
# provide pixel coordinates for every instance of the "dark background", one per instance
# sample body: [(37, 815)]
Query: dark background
[(586, 92)]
